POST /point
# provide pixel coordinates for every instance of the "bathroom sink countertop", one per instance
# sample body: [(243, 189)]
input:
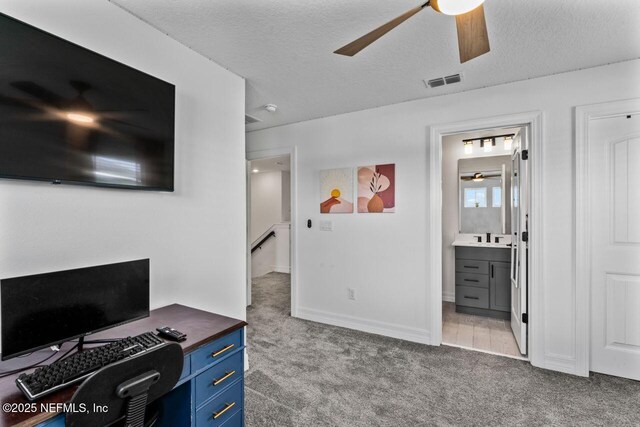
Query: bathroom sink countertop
[(481, 244), (471, 240)]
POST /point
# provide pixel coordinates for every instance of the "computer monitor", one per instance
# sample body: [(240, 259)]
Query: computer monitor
[(42, 310)]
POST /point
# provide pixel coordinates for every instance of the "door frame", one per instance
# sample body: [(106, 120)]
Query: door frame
[(533, 120), (293, 240), (582, 273)]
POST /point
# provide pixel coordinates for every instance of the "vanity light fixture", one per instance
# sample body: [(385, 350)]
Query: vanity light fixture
[(508, 142), (468, 147), (255, 171), (477, 177), (488, 144)]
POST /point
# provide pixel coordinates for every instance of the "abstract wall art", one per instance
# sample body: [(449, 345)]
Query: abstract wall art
[(377, 189), (336, 191)]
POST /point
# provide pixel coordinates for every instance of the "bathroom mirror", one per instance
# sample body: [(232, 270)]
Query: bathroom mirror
[(484, 195)]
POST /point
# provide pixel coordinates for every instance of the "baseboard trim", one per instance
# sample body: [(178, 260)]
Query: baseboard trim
[(406, 333), (281, 269), (449, 297)]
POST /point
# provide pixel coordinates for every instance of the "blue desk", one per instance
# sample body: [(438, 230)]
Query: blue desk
[(210, 391)]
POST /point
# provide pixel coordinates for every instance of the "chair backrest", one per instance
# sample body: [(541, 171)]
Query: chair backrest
[(125, 387)]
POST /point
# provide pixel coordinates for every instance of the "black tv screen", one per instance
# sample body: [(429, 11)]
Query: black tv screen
[(46, 309), (70, 115)]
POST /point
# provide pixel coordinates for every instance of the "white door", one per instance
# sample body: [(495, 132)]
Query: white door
[(614, 210), (519, 210)]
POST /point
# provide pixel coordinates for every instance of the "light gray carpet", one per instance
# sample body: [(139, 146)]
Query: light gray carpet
[(309, 374)]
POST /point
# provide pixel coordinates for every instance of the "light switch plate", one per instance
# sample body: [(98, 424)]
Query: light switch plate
[(326, 226)]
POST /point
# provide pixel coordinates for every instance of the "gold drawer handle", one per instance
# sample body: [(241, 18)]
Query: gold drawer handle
[(227, 375), (219, 352), (226, 408)]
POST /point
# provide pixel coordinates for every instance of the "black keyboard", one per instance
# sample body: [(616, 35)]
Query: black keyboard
[(62, 373)]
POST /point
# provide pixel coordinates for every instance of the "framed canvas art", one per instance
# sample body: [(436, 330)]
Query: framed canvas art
[(377, 189), (336, 191)]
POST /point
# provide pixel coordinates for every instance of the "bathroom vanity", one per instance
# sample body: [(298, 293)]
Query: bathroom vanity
[(482, 277)]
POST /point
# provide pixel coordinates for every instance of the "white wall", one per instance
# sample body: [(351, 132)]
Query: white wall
[(266, 202), (385, 257), (195, 237)]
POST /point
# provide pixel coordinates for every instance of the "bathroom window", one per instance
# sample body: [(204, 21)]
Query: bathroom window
[(475, 197), (496, 197)]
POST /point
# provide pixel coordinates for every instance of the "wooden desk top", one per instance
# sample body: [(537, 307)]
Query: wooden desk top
[(200, 326)]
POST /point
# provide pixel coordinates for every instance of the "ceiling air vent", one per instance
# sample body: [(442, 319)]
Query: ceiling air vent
[(250, 119), (454, 78), (441, 81), (436, 82)]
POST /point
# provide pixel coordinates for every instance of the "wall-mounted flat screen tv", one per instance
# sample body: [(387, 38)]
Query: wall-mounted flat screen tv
[(70, 115)]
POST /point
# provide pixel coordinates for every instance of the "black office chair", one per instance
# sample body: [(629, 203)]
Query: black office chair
[(126, 387)]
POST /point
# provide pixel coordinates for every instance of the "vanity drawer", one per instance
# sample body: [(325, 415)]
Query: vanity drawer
[(221, 409), (218, 377), (217, 350), (472, 279), (472, 266), (470, 296)]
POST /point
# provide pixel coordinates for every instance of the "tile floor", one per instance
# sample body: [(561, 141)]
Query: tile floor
[(477, 332)]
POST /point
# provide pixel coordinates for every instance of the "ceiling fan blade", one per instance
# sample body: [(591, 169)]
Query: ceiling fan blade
[(13, 102), (126, 123), (473, 39), (39, 92), (364, 41)]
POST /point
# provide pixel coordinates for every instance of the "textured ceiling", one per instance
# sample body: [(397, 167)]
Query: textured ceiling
[(284, 47)]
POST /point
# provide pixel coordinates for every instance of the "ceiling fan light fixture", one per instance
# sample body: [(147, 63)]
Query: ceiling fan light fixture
[(455, 7), (80, 118), (477, 177)]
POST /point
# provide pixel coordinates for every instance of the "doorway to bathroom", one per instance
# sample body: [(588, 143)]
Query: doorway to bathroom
[(484, 221), (480, 204)]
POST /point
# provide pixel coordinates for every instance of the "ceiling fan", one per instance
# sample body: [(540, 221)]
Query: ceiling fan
[(473, 40), (479, 176)]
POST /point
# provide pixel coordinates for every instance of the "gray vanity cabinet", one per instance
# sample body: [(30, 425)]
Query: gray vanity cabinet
[(500, 286), (483, 283)]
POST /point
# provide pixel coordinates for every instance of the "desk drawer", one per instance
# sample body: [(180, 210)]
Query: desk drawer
[(217, 350), (218, 377), (236, 420), (472, 266), (470, 296), (223, 408), (471, 279)]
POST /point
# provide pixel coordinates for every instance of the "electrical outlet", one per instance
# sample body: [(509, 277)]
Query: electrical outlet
[(351, 293)]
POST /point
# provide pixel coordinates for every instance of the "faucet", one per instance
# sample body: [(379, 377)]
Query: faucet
[(479, 238)]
